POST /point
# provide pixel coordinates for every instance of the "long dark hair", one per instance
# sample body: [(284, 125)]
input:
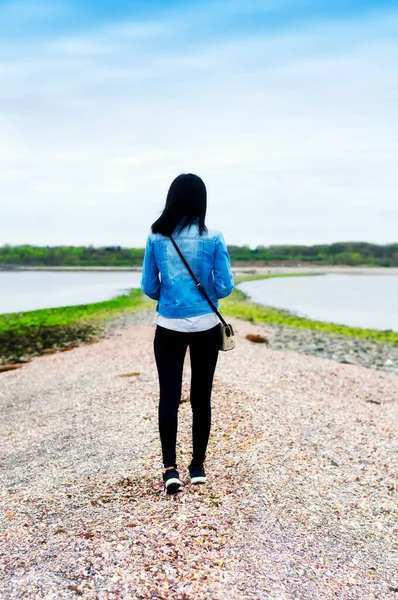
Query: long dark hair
[(186, 204)]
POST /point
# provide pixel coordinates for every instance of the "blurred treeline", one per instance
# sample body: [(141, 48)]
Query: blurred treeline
[(341, 253)]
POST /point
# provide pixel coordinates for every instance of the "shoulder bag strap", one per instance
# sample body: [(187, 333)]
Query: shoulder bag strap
[(198, 284)]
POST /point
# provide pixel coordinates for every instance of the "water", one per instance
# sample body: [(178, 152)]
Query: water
[(366, 301), (31, 290)]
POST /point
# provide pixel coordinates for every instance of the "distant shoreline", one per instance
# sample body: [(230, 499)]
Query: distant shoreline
[(252, 270)]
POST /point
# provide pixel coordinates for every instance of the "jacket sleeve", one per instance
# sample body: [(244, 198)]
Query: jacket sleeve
[(150, 281), (223, 278)]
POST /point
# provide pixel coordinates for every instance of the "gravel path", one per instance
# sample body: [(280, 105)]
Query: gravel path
[(301, 501)]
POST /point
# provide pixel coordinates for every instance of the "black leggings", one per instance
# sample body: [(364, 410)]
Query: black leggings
[(170, 349)]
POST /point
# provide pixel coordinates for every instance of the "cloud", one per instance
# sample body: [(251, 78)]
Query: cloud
[(293, 131)]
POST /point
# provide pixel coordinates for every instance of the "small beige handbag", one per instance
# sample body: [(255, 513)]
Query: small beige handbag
[(227, 334)]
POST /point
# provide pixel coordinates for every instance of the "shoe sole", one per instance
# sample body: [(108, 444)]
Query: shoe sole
[(196, 480), (172, 486)]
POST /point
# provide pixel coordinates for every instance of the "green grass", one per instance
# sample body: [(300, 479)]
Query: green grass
[(236, 305), (68, 314), (30, 333)]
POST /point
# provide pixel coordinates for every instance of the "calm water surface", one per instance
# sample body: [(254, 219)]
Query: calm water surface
[(367, 301), (31, 290)]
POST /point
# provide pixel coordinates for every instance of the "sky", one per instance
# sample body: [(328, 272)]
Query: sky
[(288, 110)]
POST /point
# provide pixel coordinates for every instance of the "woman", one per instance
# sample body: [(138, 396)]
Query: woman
[(183, 316)]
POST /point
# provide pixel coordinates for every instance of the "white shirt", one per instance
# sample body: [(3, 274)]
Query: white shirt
[(189, 324)]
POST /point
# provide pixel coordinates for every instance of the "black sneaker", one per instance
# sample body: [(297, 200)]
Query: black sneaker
[(172, 483), (197, 474)]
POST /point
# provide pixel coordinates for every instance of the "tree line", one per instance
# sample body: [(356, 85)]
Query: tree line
[(340, 253)]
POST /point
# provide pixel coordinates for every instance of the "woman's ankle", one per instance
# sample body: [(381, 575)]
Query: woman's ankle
[(168, 469)]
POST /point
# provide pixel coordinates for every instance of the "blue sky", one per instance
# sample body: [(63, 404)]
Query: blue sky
[(288, 110)]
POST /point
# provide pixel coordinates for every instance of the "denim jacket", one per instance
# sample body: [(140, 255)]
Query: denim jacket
[(166, 279)]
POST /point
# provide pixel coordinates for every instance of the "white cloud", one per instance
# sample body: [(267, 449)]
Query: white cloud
[(293, 133)]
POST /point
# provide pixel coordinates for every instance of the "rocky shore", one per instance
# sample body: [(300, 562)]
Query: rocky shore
[(342, 349)]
